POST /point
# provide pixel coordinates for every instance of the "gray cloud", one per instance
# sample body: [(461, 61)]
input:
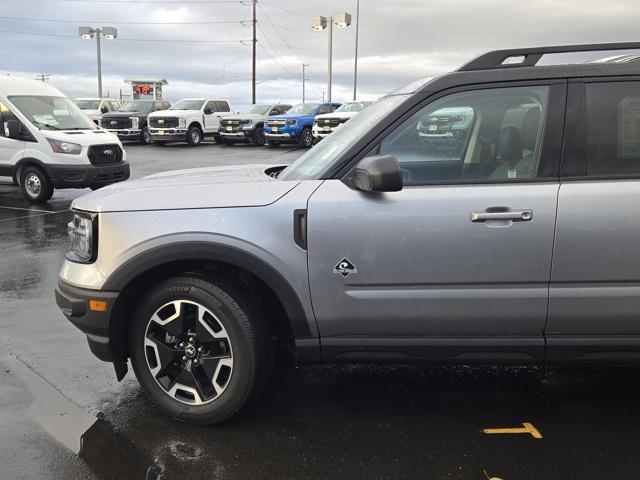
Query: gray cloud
[(400, 41)]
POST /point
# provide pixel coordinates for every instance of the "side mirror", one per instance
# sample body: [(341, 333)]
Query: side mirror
[(104, 109), (377, 173), (13, 129), (208, 111)]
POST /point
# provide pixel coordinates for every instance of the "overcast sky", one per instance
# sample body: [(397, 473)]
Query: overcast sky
[(400, 41)]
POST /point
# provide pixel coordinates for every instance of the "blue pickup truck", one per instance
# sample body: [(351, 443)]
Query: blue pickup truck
[(295, 125)]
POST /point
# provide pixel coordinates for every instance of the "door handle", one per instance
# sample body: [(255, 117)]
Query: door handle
[(504, 214)]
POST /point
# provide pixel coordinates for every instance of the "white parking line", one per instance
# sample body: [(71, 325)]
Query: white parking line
[(28, 209)]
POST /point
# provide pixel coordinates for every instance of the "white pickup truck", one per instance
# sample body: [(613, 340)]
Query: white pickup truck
[(189, 120)]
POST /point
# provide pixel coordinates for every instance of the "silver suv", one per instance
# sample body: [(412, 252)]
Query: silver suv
[(516, 240)]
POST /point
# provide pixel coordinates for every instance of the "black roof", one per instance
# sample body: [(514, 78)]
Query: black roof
[(491, 66)]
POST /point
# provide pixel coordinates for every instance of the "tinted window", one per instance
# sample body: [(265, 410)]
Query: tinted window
[(493, 135), (212, 106), (5, 116), (325, 109), (222, 107), (603, 131)]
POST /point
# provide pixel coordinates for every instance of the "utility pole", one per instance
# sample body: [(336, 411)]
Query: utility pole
[(253, 68), (43, 77), (303, 79), (330, 66), (355, 62)]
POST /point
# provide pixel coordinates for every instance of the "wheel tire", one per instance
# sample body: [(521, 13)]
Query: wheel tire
[(306, 138), (258, 138), (194, 136), (145, 137), (248, 344), (35, 184)]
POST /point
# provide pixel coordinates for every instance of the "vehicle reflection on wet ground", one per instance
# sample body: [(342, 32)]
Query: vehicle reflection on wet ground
[(312, 422)]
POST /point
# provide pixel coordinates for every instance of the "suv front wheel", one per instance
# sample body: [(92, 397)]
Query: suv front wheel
[(200, 348), (194, 135)]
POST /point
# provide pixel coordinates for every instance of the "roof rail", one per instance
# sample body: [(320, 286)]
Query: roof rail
[(531, 56)]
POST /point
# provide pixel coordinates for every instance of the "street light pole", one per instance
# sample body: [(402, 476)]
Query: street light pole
[(355, 62), (330, 60), (98, 32), (89, 32), (303, 80), (320, 23)]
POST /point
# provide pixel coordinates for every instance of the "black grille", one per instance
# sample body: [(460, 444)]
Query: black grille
[(163, 122), (330, 122), (233, 123), (101, 155), (276, 123), (116, 123)]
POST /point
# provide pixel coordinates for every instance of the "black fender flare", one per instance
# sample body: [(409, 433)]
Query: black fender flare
[(200, 250)]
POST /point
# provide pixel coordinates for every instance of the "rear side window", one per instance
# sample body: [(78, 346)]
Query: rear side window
[(603, 130), (490, 135)]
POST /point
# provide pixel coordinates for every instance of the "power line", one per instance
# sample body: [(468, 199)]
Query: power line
[(290, 12), (243, 22), (279, 59), (39, 34), (282, 66), (278, 33)]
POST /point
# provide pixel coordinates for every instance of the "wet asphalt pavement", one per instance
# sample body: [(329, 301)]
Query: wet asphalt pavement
[(414, 422)]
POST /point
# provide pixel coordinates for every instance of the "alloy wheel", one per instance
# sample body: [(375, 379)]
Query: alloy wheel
[(188, 352)]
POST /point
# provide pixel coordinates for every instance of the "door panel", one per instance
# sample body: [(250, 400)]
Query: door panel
[(594, 304), (423, 267)]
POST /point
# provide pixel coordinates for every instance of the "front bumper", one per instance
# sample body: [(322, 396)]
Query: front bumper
[(82, 176), (178, 134), (237, 136), (127, 133), (282, 137), (74, 303)]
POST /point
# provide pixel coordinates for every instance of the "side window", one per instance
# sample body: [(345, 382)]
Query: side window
[(5, 116), (483, 135), (325, 109), (603, 130), (222, 107), (212, 105)]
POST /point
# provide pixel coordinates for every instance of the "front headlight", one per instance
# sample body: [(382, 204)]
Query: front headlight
[(59, 146), (246, 123), (182, 121), (292, 122), (135, 122), (83, 236)]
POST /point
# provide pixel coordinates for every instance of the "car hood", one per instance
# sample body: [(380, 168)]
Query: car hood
[(174, 113), (86, 138), (211, 187), (122, 114), (337, 115), (292, 117), (248, 116)]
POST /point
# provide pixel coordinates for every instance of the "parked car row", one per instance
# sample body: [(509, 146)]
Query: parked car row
[(190, 119)]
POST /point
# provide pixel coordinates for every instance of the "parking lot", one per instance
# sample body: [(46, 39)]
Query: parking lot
[(312, 422)]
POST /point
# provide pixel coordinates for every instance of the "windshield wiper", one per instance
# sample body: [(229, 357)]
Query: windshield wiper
[(46, 125)]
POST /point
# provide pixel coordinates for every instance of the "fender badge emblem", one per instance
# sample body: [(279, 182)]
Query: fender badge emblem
[(345, 268)]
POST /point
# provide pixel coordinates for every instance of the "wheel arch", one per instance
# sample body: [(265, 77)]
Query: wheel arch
[(26, 162), (281, 305), (195, 123)]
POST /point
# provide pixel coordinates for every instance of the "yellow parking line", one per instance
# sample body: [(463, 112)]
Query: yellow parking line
[(526, 428)]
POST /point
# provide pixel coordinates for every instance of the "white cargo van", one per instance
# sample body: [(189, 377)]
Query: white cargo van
[(46, 142)]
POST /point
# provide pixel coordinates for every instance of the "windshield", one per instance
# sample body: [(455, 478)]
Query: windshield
[(314, 163), (140, 106), (188, 105), (52, 113), (352, 106), (303, 109), (257, 109), (88, 104)]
